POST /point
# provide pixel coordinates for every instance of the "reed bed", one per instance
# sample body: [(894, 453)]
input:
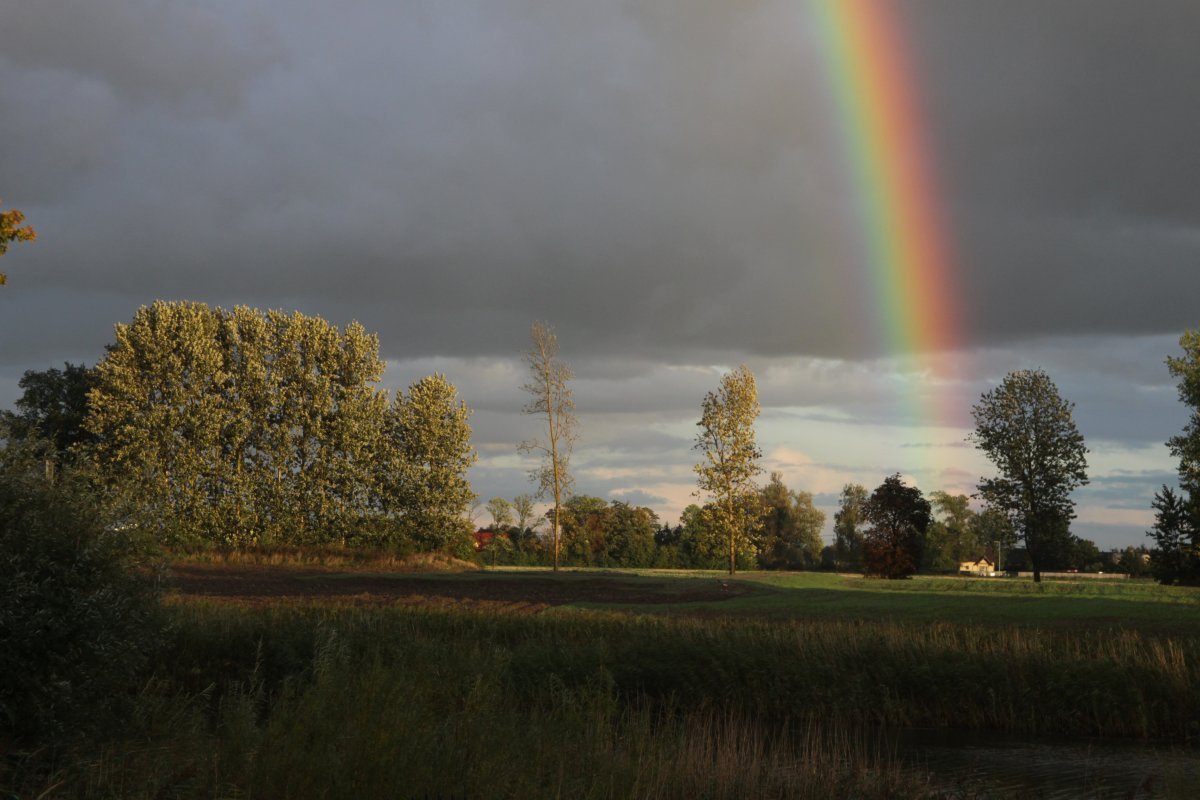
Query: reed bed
[(324, 701)]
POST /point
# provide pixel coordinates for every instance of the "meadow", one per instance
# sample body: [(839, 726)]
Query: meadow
[(630, 684)]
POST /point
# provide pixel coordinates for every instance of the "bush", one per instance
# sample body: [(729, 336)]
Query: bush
[(79, 612)]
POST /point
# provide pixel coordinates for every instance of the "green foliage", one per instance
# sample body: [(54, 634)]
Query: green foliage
[(1176, 555), (790, 532), (79, 617), (248, 428), (1176, 532), (899, 516), (848, 524), (426, 454), (52, 407), (726, 475), (702, 545), (1026, 430), (616, 534), (501, 511), (952, 537), (1186, 446), (522, 509)]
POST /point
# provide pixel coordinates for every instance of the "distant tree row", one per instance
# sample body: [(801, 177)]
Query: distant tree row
[(247, 427), (600, 533), (1023, 426)]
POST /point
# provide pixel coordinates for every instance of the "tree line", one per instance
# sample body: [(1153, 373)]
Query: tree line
[(611, 533), (246, 427)]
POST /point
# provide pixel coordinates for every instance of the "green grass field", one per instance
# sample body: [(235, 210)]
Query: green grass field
[(1072, 604)]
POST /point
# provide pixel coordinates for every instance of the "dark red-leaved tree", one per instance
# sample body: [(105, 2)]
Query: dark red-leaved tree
[(898, 515)]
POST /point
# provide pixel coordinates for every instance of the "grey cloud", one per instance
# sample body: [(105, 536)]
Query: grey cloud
[(145, 49), (1065, 139), (657, 180), (640, 498), (664, 182)]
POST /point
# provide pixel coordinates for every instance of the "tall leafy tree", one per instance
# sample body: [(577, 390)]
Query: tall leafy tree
[(11, 230), (52, 407), (522, 506), (848, 524), (238, 427), (156, 412), (429, 439), (549, 389), (629, 535), (1176, 555), (731, 454), (898, 515), (1176, 532), (790, 534), (584, 529), (501, 512), (701, 545), (1027, 431)]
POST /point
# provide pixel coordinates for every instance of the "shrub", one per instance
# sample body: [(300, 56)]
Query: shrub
[(78, 606)]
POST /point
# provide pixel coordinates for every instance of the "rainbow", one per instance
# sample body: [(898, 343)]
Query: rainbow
[(907, 246)]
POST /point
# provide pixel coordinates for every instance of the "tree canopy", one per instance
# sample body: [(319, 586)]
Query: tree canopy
[(1026, 430), (790, 532), (247, 427), (727, 442), (848, 526), (898, 516), (1176, 531)]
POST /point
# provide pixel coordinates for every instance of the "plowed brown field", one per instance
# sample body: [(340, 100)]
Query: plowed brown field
[(528, 593)]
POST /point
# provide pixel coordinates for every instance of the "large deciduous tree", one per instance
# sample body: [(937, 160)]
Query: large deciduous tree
[(242, 427), (1026, 430), (727, 442), (52, 407), (898, 516), (1176, 555), (522, 507), (1176, 532), (501, 512), (430, 441), (549, 389)]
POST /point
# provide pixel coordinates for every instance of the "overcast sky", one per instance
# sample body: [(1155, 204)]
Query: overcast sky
[(661, 181)]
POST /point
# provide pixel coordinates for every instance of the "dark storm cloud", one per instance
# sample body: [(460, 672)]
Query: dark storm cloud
[(660, 180), (1065, 133)]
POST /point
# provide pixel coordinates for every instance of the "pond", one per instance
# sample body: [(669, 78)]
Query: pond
[(1052, 769)]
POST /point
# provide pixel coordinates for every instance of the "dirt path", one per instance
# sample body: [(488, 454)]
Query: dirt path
[(527, 593)]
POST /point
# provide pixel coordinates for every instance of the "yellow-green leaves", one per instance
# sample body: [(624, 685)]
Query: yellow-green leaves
[(428, 452), (239, 427), (726, 475)]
